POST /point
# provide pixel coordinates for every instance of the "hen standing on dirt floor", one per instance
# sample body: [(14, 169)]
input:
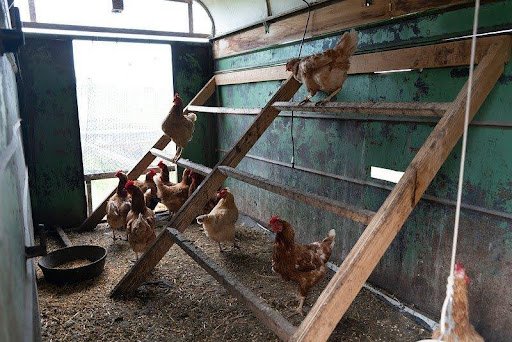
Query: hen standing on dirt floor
[(303, 264), (219, 224), (325, 71), (179, 127), (140, 224), (118, 206)]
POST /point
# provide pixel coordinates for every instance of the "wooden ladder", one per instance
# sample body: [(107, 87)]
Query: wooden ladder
[(382, 226)]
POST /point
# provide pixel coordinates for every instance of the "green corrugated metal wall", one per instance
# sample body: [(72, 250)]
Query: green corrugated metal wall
[(51, 132), (415, 267)]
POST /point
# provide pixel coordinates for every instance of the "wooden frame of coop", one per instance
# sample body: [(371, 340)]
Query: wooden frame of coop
[(382, 226)]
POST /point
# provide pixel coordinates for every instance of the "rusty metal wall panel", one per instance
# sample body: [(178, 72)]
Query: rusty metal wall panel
[(415, 267), (51, 132)]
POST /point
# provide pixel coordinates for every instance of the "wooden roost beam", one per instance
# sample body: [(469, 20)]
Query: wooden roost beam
[(377, 108), (321, 202), (378, 235)]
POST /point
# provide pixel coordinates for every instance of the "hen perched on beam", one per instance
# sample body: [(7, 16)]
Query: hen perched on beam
[(325, 71)]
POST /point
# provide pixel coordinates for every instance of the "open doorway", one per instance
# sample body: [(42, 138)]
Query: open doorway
[(124, 91)]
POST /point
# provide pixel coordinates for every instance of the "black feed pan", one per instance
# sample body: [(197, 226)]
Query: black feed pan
[(95, 254)]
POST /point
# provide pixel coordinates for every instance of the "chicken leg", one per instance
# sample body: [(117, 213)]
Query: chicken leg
[(328, 98), (301, 304), (177, 156), (306, 100)]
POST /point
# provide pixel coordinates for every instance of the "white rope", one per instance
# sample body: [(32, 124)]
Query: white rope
[(446, 312)]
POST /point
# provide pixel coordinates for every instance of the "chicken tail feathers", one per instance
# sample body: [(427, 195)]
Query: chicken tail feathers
[(347, 45), (113, 209), (200, 219), (330, 237), (192, 117)]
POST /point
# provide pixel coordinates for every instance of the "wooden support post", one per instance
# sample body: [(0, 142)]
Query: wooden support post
[(181, 220), (92, 221), (321, 202), (268, 316), (88, 193), (375, 240)]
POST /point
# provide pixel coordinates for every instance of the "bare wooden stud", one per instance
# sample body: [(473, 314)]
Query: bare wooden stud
[(434, 109), (138, 273), (321, 202), (88, 193), (64, 237), (92, 221), (268, 316), (378, 235)]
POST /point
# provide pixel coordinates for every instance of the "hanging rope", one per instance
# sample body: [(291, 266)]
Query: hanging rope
[(446, 312), (300, 51)]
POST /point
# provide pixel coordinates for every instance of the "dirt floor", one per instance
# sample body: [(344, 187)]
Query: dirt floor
[(181, 302)]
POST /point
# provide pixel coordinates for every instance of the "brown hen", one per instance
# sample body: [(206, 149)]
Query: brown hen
[(303, 264), (173, 196), (140, 221), (179, 127), (463, 330), (219, 224), (325, 71), (118, 205)]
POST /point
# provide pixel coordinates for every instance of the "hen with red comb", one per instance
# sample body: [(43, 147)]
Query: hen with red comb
[(178, 126), (219, 224), (302, 264), (140, 225), (463, 330), (118, 205)]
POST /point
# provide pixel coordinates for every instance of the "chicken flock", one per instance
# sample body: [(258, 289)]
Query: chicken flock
[(131, 207)]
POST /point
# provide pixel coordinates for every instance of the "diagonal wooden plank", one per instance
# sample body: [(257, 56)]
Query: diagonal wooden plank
[(366, 253), (181, 220), (92, 221), (271, 318)]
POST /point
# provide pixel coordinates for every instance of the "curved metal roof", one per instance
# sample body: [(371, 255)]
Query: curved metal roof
[(231, 15)]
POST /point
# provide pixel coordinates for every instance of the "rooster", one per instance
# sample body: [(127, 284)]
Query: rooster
[(140, 221), (303, 264), (179, 127), (219, 224), (148, 188), (173, 196), (325, 71), (462, 330), (118, 206)]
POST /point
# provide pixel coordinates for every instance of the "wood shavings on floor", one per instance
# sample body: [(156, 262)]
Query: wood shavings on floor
[(181, 302)]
